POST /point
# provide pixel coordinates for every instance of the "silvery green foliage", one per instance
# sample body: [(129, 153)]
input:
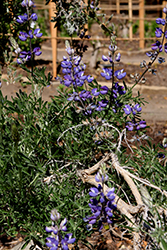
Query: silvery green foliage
[(73, 15)]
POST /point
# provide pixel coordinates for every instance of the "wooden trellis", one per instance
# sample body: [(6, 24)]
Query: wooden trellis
[(106, 5)]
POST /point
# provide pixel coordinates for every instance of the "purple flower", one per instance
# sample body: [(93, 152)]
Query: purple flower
[(52, 243), (92, 5), (118, 57), (54, 215), (81, 76), (23, 36), (103, 103), (127, 109), (101, 208), (104, 90), (101, 178), (160, 21), (67, 240), (157, 45), (56, 241), (158, 32), (37, 33), (95, 92), (74, 96), (161, 59), (113, 48), (104, 58), (85, 95), (30, 34), (120, 74), (34, 17), (77, 60), (22, 19), (130, 126), (110, 195), (69, 51), (141, 124), (37, 51), (136, 108), (165, 47), (19, 61), (90, 78), (25, 55), (93, 192), (27, 3), (107, 73), (66, 64), (63, 225), (165, 10)]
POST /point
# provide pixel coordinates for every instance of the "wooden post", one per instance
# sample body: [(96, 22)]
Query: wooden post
[(130, 20), (164, 5), (141, 24), (53, 31), (86, 25), (117, 4)]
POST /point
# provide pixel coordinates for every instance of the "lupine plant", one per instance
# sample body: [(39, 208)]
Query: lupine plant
[(32, 32), (48, 150), (101, 205), (56, 240)]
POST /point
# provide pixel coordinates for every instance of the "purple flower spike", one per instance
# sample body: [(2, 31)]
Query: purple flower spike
[(120, 74), (37, 33), (158, 32), (104, 90), (23, 36), (37, 51), (127, 109)]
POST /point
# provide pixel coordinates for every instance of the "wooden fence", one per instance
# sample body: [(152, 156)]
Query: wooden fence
[(116, 6)]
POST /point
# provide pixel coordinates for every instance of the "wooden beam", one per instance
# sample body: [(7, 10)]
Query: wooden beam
[(164, 4), (141, 24), (53, 31), (130, 20), (117, 6)]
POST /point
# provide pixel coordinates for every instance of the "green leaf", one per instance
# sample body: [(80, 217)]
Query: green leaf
[(163, 244)]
